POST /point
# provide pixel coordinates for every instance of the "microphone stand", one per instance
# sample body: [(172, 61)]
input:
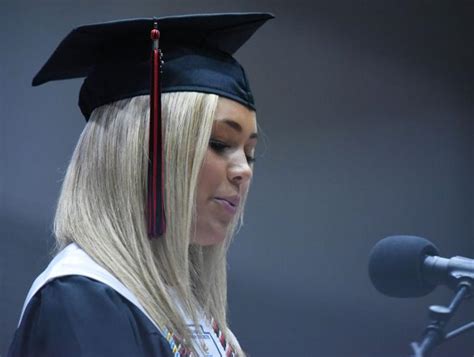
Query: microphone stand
[(439, 316)]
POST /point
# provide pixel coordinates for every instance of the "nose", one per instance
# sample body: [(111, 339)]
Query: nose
[(239, 170)]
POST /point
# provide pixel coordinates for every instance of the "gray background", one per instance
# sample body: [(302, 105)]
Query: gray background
[(367, 112)]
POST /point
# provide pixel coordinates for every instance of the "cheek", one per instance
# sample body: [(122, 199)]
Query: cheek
[(210, 176), (210, 227)]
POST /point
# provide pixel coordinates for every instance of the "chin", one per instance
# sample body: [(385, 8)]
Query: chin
[(209, 238)]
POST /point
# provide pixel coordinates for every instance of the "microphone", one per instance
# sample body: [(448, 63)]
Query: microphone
[(409, 266)]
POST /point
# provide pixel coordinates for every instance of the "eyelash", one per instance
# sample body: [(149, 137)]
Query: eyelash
[(219, 147)]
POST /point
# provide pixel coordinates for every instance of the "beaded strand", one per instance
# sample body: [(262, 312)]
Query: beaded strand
[(229, 351), (176, 346)]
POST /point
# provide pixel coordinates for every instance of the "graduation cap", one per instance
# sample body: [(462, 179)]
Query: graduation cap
[(128, 58)]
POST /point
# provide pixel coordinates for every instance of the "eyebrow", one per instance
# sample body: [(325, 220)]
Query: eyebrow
[(236, 126)]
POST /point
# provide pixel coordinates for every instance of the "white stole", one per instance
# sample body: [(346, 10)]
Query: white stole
[(72, 260)]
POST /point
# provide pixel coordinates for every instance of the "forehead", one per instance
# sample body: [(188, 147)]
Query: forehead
[(230, 110)]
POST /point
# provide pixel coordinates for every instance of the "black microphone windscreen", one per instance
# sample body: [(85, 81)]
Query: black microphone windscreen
[(395, 266)]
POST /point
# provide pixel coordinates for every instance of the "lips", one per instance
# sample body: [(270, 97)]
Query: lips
[(229, 204), (232, 200)]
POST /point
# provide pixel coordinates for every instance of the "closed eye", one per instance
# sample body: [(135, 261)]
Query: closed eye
[(250, 159), (217, 146)]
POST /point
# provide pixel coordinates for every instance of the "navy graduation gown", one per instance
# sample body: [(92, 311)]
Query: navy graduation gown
[(78, 316)]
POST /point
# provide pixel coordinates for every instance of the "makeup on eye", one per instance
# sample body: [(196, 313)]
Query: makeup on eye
[(219, 147)]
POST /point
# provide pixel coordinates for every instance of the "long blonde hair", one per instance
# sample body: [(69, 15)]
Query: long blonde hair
[(102, 209)]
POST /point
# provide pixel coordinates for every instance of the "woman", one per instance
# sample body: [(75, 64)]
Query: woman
[(115, 288)]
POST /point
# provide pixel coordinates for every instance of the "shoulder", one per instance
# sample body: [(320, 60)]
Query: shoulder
[(78, 316)]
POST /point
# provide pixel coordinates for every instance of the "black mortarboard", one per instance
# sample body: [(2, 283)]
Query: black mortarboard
[(115, 59)]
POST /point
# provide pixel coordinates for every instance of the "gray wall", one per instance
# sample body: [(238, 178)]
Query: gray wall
[(367, 112)]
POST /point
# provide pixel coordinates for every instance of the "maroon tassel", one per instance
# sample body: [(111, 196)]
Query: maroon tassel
[(155, 205)]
